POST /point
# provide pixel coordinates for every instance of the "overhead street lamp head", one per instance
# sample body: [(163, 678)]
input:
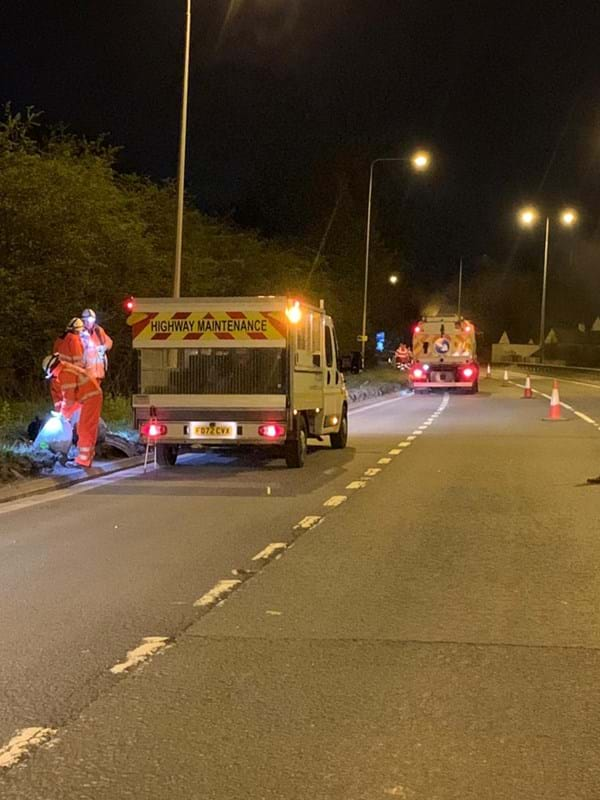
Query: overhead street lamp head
[(421, 160), (568, 217), (393, 279), (528, 216)]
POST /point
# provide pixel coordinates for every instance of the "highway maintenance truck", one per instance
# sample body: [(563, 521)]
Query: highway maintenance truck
[(234, 372), (445, 355)]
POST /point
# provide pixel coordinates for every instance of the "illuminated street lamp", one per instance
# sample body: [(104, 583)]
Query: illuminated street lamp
[(393, 279), (528, 217), (420, 161)]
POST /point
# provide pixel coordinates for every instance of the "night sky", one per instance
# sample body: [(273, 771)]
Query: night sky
[(286, 95)]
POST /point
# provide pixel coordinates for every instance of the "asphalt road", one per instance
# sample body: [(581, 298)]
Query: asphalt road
[(435, 635)]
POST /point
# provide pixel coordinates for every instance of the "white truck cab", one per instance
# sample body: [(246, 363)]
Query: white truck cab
[(236, 371)]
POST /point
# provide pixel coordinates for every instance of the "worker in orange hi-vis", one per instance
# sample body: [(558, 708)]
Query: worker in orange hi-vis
[(77, 391), (96, 344), (69, 347)]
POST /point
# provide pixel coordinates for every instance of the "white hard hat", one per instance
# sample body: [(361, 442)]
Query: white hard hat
[(88, 312)]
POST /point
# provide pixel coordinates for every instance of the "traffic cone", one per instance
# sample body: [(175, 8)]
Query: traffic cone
[(527, 393), (505, 378), (488, 372), (554, 404)]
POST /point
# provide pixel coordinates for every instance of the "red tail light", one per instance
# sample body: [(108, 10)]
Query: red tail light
[(128, 304), (417, 329), (153, 430), (271, 431), (418, 373)]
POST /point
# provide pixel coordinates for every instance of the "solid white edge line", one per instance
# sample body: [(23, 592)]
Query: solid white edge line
[(360, 410)]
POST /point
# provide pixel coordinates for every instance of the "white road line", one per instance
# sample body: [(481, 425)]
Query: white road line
[(372, 471), (394, 451), (357, 485), (308, 522), (217, 593), (406, 444), (416, 433), (335, 501), (274, 547), (21, 743), (149, 646), (585, 418), (385, 460), (375, 405), (411, 438)]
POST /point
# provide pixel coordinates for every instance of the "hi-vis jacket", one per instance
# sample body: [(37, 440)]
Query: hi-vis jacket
[(69, 347), (73, 389), (96, 343)]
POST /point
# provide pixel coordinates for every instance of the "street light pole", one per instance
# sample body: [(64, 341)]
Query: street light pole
[(182, 148), (544, 281), (460, 271), (366, 286), (420, 161)]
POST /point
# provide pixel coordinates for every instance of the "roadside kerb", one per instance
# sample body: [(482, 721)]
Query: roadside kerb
[(15, 491)]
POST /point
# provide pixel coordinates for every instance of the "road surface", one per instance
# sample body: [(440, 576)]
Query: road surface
[(429, 629)]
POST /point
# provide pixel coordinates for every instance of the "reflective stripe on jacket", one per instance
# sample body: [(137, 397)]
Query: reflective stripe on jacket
[(96, 343), (69, 348)]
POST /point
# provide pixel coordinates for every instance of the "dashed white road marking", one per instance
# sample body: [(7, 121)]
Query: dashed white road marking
[(357, 485), (385, 460), (335, 501), (411, 438), (416, 433), (268, 551), (149, 646), (405, 444), (394, 451), (308, 522), (217, 593), (21, 743), (372, 471)]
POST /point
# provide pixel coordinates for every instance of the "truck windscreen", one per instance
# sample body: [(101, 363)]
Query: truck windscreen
[(232, 370)]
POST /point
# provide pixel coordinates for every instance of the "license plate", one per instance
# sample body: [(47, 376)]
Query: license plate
[(213, 430)]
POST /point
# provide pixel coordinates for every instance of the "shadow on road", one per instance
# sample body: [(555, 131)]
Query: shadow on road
[(244, 474)]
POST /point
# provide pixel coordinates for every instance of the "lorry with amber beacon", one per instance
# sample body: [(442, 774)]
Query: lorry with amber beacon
[(444, 355), (234, 372)]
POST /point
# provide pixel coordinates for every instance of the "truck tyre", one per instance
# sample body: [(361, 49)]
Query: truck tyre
[(340, 439), (295, 449), (475, 387), (166, 454)]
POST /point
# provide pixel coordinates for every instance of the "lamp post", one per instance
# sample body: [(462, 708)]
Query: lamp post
[(528, 218), (420, 161), (182, 148)]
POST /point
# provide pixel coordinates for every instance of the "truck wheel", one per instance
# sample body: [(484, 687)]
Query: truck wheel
[(295, 449), (166, 454), (475, 387), (340, 439)]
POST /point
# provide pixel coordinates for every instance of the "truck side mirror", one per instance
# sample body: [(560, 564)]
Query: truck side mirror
[(316, 359)]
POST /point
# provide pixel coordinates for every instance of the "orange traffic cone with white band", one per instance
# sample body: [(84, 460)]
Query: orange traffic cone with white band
[(527, 393), (488, 372), (554, 404), (505, 378)]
